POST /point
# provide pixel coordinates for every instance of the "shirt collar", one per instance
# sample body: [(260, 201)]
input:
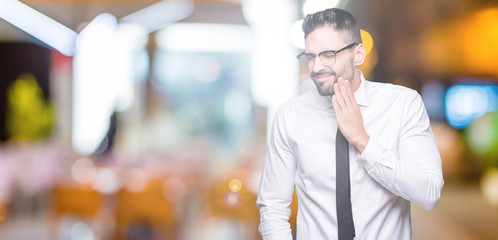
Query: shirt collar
[(361, 95)]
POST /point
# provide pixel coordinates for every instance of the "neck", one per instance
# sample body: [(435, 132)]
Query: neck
[(355, 84)]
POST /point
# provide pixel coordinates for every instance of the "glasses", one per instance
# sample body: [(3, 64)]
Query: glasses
[(327, 57)]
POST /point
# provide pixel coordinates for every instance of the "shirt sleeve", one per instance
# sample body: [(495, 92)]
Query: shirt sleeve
[(415, 174), (277, 184)]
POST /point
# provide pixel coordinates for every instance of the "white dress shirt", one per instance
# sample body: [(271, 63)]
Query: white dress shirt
[(400, 164)]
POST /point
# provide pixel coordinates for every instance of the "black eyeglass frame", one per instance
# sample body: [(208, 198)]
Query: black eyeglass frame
[(335, 52)]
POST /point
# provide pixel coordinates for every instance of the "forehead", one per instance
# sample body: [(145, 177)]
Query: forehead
[(324, 38)]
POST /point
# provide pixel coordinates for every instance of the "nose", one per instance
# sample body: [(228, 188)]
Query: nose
[(316, 65)]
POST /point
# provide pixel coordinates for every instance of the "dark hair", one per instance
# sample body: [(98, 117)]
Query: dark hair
[(340, 20)]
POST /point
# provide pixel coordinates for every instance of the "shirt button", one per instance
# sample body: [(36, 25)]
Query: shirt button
[(364, 163)]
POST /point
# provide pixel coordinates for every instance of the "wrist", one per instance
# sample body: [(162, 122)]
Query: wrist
[(361, 143)]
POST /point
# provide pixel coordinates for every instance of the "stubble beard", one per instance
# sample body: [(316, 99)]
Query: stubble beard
[(328, 90), (324, 90)]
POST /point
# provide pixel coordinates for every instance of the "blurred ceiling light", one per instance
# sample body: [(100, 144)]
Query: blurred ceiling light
[(101, 28), (296, 34), (268, 14), (205, 37), (160, 14), (94, 84), (313, 6), (270, 22), (128, 41), (131, 36), (39, 26)]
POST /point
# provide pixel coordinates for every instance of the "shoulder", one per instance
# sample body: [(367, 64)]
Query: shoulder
[(390, 97), (391, 91), (298, 103)]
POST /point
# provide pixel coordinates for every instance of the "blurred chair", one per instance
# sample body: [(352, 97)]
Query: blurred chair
[(79, 202), (3, 212), (229, 214), (144, 214)]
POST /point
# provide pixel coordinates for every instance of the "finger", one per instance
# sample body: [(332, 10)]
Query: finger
[(338, 93), (351, 94), (345, 90), (335, 105)]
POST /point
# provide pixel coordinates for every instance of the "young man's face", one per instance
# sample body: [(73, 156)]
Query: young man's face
[(324, 76)]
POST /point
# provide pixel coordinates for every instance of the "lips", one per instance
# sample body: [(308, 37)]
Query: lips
[(322, 77)]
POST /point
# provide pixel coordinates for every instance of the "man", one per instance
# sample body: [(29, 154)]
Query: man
[(393, 159)]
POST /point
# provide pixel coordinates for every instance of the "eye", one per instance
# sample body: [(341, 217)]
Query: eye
[(309, 56), (328, 54)]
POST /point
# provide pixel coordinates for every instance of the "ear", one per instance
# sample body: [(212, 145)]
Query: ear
[(359, 55)]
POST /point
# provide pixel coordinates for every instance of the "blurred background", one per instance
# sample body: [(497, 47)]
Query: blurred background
[(147, 119)]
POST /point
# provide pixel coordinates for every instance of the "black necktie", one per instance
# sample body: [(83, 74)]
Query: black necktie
[(345, 223)]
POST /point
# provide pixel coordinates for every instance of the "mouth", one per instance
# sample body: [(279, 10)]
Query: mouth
[(323, 77)]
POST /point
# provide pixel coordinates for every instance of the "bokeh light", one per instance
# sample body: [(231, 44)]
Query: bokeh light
[(463, 46), (296, 34), (232, 199), (206, 69), (489, 186), (81, 231), (106, 180), (135, 180), (465, 103), (235, 185), (83, 170), (367, 40), (482, 137)]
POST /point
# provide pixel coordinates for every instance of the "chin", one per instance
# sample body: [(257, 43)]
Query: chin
[(325, 92)]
